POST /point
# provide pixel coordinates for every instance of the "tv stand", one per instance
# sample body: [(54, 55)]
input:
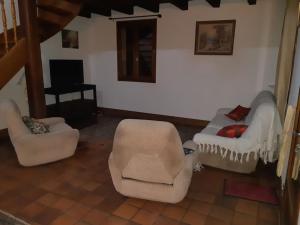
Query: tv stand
[(79, 112)]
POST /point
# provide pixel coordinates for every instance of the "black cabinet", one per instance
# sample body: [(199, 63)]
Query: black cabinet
[(79, 112)]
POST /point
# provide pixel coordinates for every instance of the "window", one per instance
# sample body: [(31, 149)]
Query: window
[(137, 50)]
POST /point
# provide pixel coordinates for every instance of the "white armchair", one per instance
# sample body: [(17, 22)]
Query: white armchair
[(37, 149)]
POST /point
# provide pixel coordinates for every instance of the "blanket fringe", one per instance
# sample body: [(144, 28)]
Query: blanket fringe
[(266, 156), (198, 167)]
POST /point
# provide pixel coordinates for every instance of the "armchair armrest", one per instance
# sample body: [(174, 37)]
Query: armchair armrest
[(52, 120), (44, 148), (48, 140)]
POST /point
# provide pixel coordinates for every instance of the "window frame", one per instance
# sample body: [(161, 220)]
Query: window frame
[(121, 51)]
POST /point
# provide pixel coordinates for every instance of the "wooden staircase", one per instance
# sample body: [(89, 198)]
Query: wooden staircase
[(52, 16)]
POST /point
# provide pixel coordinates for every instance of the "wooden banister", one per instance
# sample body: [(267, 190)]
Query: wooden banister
[(4, 23), (20, 44), (13, 61), (14, 17)]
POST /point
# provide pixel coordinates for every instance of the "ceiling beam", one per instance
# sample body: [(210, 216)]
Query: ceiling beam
[(151, 5), (127, 10), (123, 6), (102, 8), (252, 2), (181, 4), (105, 11), (215, 3), (85, 12)]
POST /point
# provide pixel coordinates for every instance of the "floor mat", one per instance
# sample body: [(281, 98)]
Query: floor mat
[(250, 191)]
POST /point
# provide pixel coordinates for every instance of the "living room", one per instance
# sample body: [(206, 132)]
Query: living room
[(188, 89), (250, 69)]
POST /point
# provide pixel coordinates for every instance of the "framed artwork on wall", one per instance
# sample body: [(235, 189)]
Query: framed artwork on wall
[(215, 37), (70, 39)]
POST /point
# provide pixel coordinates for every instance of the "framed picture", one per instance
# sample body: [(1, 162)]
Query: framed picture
[(215, 37), (70, 39)]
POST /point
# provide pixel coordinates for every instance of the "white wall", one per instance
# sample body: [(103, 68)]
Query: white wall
[(187, 85), (52, 49), (15, 89)]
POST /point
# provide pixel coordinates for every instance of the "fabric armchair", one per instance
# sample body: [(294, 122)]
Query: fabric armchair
[(148, 161), (37, 149)]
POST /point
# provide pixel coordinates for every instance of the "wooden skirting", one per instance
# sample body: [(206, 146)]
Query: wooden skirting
[(149, 116)]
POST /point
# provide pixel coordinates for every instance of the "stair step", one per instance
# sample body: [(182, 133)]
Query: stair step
[(51, 17), (61, 7), (47, 23), (47, 28), (54, 9)]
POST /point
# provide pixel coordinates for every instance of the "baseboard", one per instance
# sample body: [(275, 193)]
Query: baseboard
[(4, 134), (149, 116)]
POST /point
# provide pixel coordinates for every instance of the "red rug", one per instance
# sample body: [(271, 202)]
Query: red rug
[(251, 192)]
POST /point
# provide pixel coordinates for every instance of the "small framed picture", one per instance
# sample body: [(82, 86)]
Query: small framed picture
[(215, 37), (70, 39)]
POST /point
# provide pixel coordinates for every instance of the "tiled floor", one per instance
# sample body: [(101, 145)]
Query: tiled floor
[(79, 191)]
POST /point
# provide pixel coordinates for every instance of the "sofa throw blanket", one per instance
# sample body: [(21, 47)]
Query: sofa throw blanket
[(261, 137)]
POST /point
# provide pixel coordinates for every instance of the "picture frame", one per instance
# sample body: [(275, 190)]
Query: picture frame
[(70, 39), (215, 37)]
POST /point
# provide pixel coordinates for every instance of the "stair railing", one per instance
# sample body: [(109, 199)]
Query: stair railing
[(4, 24), (6, 35), (14, 17)]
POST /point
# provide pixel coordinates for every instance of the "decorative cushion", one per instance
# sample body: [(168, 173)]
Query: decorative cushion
[(239, 113), (35, 126), (232, 131)]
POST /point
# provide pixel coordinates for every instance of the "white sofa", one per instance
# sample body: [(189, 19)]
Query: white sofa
[(242, 154)]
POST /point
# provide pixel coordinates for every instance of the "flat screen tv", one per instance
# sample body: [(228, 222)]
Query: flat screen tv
[(66, 73)]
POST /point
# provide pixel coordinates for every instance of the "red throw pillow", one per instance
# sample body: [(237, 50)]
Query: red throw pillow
[(239, 113), (232, 131)]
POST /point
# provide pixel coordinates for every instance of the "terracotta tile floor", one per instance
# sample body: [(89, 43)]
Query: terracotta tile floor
[(79, 191)]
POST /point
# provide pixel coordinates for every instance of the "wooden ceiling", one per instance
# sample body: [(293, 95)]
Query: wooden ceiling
[(104, 7)]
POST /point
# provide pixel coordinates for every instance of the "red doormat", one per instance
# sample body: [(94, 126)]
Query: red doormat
[(251, 192)]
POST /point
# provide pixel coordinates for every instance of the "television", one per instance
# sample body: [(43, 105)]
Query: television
[(66, 73)]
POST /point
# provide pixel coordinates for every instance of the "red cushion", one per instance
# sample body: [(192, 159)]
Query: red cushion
[(232, 131), (239, 113)]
